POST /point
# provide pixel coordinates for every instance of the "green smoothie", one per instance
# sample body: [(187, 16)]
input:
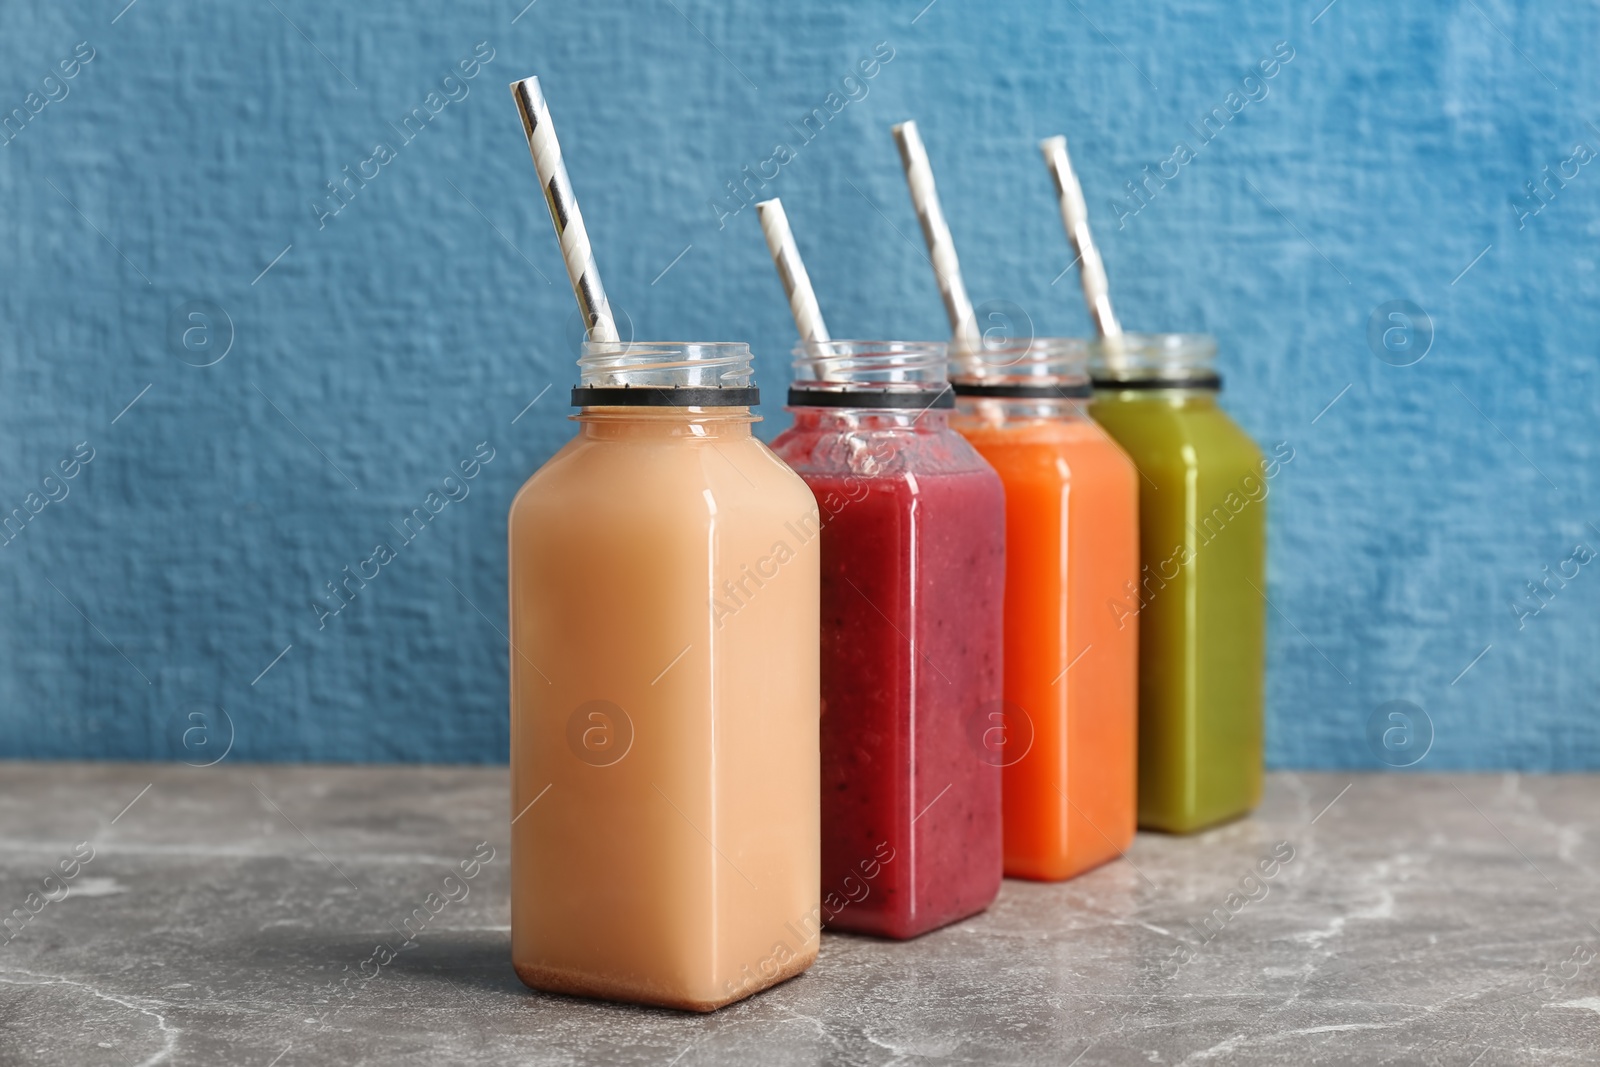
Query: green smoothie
[(1200, 603)]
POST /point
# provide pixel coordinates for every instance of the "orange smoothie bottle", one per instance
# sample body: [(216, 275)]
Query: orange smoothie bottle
[(1067, 734), (664, 576)]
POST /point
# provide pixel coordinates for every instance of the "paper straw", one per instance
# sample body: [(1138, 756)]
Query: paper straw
[(575, 249), (936, 232), (796, 282), (1075, 216)]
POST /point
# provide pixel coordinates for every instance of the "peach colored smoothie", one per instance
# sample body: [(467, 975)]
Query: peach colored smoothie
[(664, 695)]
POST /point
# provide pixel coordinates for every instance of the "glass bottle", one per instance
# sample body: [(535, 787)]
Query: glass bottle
[(1199, 603), (663, 585), (912, 523), (1067, 736)]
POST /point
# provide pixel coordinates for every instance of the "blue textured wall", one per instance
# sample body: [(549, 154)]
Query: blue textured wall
[(389, 338)]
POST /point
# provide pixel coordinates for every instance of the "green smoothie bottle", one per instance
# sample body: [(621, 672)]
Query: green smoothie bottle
[(1200, 601)]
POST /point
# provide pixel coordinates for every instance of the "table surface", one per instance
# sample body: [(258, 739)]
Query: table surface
[(1438, 919)]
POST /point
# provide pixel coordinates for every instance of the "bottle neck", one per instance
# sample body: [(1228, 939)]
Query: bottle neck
[(613, 423), (1155, 361), (1194, 399), (1008, 411), (857, 420)]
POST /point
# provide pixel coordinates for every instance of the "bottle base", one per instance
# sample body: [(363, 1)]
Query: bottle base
[(1037, 870), (1179, 823), (895, 928), (599, 987)]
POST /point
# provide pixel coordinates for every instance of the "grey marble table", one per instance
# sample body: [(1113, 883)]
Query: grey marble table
[(227, 914)]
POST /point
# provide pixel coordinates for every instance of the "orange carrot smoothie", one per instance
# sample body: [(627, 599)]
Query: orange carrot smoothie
[(1067, 735)]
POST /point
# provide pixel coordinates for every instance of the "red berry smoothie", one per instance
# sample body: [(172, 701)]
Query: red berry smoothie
[(913, 564)]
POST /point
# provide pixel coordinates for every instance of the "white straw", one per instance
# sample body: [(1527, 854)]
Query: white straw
[(575, 249), (936, 232), (1075, 216), (796, 282)]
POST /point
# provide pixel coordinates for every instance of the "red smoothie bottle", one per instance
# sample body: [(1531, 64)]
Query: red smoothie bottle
[(913, 578)]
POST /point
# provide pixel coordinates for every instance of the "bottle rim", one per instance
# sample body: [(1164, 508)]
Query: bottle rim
[(665, 374), (1154, 361), (858, 373), (1025, 368)]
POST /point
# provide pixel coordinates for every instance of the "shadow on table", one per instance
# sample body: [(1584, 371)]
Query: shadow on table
[(476, 960), (479, 960), (343, 973)]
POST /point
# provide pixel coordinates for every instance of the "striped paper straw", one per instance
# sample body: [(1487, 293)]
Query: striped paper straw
[(796, 282), (1075, 216), (575, 248), (936, 232)]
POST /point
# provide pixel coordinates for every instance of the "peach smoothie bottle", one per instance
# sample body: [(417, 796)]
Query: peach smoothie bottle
[(1068, 735), (664, 574)]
